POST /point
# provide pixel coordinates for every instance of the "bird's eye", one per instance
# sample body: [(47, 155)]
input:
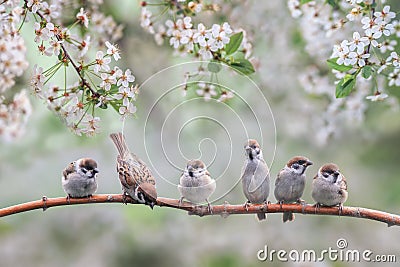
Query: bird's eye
[(253, 146), (301, 162), (84, 170)]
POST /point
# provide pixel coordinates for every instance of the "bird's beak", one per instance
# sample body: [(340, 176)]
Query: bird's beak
[(190, 171), (336, 174), (308, 163)]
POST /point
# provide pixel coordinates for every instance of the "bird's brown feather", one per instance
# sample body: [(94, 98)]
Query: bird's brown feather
[(132, 171), (69, 169)]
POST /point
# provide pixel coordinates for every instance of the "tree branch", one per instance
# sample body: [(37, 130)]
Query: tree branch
[(67, 55), (224, 210)]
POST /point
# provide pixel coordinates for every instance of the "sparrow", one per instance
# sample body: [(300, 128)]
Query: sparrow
[(196, 184), (255, 176), (136, 178), (290, 183), (329, 187), (79, 178)]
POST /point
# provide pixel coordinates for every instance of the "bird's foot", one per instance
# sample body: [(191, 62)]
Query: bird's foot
[(44, 199), (180, 202), (209, 207), (301, 201), (246, 205), (124, 199), (69, 198), (280, 203), (317, 206), (340, 209), (266, 203), (303, 204)]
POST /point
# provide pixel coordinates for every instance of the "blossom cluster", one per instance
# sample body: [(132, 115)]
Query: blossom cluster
[(377, 29), (13, 113), (14, 116), (76, 104), (190, 38), (187, 37), (364, 63), (98, 85), (207, 90)]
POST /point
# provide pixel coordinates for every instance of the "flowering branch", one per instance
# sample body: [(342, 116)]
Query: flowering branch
[(224, 210), (220, 43), (67, 56)]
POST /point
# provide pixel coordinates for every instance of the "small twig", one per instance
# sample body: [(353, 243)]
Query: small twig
[(76, 67), (224, 210)]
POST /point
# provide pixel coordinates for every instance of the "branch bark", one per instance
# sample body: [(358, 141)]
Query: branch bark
[(223, 210)]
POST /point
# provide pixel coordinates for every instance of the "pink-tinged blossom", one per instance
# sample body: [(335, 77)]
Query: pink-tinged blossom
[(394, 78), (101, 62), (126, 78), (113, 51), (206, 90), (378, 96), (82, 17), (35, 5)]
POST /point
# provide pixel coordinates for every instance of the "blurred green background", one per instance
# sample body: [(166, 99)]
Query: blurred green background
[(119, 235)]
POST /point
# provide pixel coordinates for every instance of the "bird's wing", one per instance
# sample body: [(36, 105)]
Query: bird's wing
[(149, 190), (147, 176), (259, 177), (279, 177), (343, 183), (69, 169), (127, 175)]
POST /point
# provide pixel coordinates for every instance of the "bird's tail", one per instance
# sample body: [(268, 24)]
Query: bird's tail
[(119, 141), (288, 216), (261, 216)]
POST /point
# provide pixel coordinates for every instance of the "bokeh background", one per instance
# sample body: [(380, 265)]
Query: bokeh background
[(164, 135)]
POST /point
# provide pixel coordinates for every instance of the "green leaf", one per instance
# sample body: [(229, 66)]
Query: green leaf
[(305, 1), (103, 106), (239, 56), (214, 66), (342, 68), (113, 89), (234, 43), (366, 72), (333, 3), (345, 86), (243, 67), (60, 55), (115, 106)]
